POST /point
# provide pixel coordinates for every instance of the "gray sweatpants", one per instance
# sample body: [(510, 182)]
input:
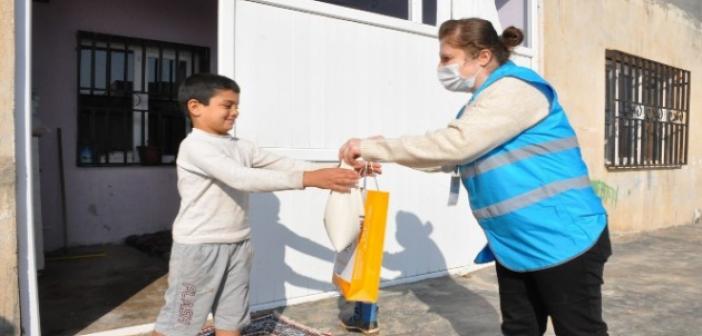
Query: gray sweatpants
[(204, 278)]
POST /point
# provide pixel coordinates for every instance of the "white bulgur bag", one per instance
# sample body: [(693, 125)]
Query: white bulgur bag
[(343, 216)]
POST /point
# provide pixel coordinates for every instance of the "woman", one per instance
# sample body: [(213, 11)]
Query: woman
[(528, 186)]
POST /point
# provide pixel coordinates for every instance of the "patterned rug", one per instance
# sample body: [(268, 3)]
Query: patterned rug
[(272, 324)]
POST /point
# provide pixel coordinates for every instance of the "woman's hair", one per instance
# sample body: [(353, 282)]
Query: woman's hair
[(474, 34)]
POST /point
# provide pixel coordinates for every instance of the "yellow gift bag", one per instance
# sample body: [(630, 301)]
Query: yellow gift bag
[(357, 267)]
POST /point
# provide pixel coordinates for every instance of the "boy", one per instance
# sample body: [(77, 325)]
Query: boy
[(211, 255)]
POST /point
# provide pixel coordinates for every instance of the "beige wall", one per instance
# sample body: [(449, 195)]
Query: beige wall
[(576, 34), (9, 292)]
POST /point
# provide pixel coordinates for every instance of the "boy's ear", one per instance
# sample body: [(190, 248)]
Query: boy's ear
[(193, 107)]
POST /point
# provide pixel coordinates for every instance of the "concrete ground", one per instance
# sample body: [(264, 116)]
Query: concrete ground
[(653, 287), (100, 288)]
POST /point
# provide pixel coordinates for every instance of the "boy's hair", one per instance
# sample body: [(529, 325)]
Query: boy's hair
[(202, 87)]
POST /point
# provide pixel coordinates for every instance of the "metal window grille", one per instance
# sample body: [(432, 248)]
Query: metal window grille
[(647, 113), (128, 113)]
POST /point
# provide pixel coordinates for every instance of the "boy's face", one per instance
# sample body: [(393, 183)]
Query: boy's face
[(219, 115)]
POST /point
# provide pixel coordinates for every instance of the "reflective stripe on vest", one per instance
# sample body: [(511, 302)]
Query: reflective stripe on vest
[(531, 197), (518, 154)]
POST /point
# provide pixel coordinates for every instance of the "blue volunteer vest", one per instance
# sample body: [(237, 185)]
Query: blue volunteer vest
[(532, 195)]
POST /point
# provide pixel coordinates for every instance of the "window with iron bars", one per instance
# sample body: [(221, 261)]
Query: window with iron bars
[(128, 111), (647, 113)]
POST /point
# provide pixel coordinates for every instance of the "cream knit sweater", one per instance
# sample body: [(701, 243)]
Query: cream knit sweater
[(215, 176), (502, 111)]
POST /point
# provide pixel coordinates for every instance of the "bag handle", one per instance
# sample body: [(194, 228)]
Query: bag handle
[(368, 167)]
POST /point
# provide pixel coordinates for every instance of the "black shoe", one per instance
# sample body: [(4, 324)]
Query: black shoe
[(356, 324)]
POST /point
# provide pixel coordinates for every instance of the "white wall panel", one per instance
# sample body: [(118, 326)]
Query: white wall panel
[(293, 259), (312, 81)]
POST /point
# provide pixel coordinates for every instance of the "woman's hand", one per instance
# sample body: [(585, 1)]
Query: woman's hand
[(350, 152), (369, 169)]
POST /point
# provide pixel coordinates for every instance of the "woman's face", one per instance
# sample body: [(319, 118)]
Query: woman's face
[(467, 65)]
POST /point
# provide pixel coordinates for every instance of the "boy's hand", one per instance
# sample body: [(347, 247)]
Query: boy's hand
[(336, 179)]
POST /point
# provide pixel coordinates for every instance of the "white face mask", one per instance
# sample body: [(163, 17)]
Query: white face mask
[(450, 77)]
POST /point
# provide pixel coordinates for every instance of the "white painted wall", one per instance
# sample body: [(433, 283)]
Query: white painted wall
[(104, 204), (313, 75)]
